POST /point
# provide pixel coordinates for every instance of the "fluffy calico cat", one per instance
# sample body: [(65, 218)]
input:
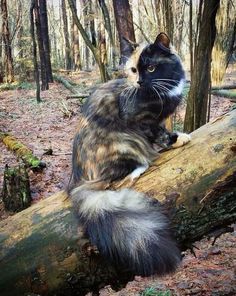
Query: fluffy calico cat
[(120, 135)]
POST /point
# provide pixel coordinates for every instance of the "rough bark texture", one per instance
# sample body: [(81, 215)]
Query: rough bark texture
[(196, 112), (94, 50), (34, 49), (68, 60), (45, 38), (16, 194), (75, 45), (7, 43), (42, 251), (124, 24), (44, 77)]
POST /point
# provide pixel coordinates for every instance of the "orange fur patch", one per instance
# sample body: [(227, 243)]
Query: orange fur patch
[(133, 63)]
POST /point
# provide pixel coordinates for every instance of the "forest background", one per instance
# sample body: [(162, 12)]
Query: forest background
[(53, 52)]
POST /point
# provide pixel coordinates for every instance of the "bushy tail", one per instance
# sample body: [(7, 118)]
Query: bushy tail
[(128, 229)]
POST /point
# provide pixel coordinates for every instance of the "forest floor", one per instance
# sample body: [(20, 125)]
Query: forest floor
[(52, 125)]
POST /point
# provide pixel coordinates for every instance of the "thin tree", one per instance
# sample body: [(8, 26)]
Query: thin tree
[(45, 38), (9, 70), (44, 77), (75, 45), (95, 50), (124, 25), (196, 111), (36, 68), (107, 20), (225, 39), (68, 59)]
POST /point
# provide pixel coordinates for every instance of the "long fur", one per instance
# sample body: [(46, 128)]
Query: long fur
[(128, 229), (121, 133)]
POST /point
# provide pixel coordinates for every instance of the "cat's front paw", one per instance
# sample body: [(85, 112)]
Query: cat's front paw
[(181, 140)]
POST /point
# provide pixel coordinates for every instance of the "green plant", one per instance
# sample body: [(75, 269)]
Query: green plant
[(153, 292)]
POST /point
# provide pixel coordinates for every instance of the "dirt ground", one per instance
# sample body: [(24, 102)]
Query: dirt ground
[(52, 124)]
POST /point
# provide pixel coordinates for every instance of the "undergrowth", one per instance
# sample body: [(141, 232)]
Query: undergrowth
[(153, 292)]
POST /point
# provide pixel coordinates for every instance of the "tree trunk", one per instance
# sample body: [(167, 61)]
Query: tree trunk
[(68, 61), (94, 50), (16, 194), (107, 21), (9, 70), (75, 45), (191, 36), (42, 251), (45, 38), (196, 112), (35, 61), (168, 18), (85, 8), (125, 27), (44, 78)]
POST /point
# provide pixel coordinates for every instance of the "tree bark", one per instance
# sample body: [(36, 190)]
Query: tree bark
[(75, 45), (45, 38), (42, 250), (35, 61), (68, 60), (95, 51), (44, 77), (196, 111), (16, 194), (9, 70), (125, 27)]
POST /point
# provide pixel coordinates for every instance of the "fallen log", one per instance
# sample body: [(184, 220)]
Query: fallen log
[(42, 251), (66, 83), (231, 86), (22, 151), (225, 93)]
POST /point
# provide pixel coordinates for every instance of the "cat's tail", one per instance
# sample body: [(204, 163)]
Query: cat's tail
[(127, 228)]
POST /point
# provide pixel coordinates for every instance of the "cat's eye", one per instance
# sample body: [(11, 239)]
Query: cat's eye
[(151, 68), (134, 70)]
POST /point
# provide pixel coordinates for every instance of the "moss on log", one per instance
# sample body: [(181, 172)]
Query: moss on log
[(230, 94), (22, 151), (43, 252), (66, 83)]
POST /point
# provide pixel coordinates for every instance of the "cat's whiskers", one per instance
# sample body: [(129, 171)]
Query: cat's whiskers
[(166, 79), (126, 90), (162, 104), (130, 92), (162, 87)]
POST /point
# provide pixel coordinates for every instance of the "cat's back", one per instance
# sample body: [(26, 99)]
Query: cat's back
[(103, 101)]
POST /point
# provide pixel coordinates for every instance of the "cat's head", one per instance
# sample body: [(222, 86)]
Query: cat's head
[(155, 67)]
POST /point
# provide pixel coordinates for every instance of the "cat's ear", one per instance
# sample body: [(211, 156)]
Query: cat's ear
[(163, 41), (128, 46)]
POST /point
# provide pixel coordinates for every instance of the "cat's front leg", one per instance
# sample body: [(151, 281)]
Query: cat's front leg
[(181, 139)]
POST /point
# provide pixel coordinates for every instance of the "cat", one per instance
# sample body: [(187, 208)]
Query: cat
[(121, 132)]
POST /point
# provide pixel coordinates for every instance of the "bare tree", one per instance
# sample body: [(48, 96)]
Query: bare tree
[(75, 45), (36, 68), (94, 49), (9, 70), (68, 60), (196, 112), (125, 27), (44, 78), (45, 38)]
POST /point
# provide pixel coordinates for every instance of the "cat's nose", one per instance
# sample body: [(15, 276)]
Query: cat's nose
[(140, 82)]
